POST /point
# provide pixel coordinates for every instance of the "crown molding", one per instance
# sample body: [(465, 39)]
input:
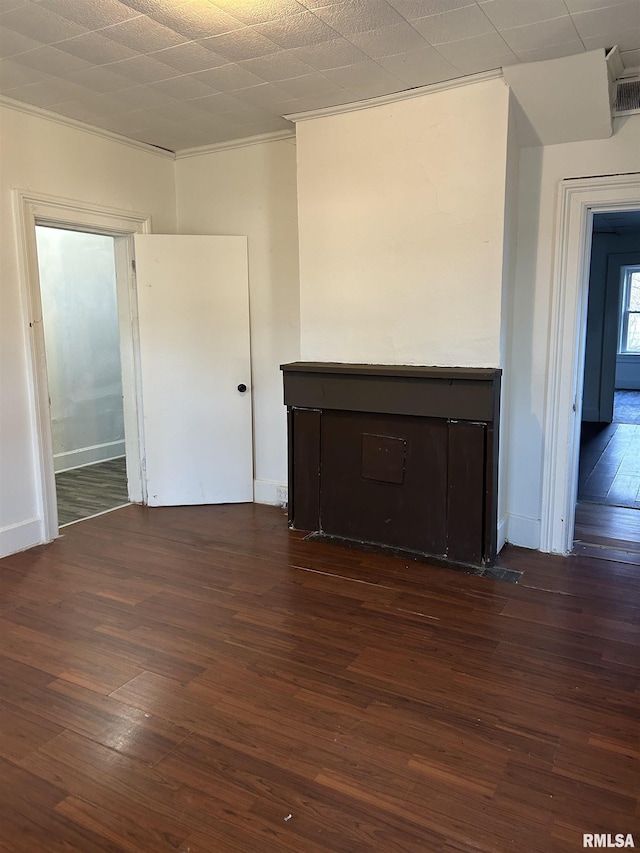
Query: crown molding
[(38, 112), (274, 136), (405, 95)]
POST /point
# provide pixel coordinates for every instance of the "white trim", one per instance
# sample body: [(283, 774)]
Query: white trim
[(32, 209), (20, 536), (578, 200), (523, 531), (405, 95), (270, 492), (83, 456), (502, 533), (67, 121), (275, 136)]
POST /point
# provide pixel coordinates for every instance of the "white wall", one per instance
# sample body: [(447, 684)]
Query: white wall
[(82, 338), (541, 172), (252, 191), (509, 258), (401, 215), (48, 157)]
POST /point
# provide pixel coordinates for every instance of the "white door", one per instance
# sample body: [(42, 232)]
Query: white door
[(193, 311)]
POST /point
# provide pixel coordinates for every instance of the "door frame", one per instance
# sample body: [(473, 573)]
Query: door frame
[(33, 209), (578, 200)]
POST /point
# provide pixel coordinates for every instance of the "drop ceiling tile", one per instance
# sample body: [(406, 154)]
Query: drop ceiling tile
[(175, 112), (141, 97), (277, 66), (247, 113), (319, 102), (143, 35), (420, 68), (358, 16), (615, 19), (389, 41), (259, 11), (52, 61), (556, 51), (228, 78), (241, 44), (142, 69), (7, 5), (169, 140), (41, 24), (330, 54), (12, 43), (93, 16), (99, 79), (627, 40), (630, 58), (81, 111), (95, 48), (268, 125), (296, 31), (366, 79), (182, 88), (262, 96), (196, 20), (545, 33), (587, 5), (505, 14), (46, 93), (453, 26), (482, 53), (106, 105), (310, 85), (14, 74), (411, 9), (152, 7), (129, 123), (189, 57), (217, 103)]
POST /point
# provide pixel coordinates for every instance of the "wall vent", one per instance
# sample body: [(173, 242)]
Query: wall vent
[(627, 99)]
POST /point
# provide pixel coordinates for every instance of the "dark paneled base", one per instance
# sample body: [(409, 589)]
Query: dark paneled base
[(401, 456), (491, 572)]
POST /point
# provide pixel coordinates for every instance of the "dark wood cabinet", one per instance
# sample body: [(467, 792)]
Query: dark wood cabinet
[(398, 456)]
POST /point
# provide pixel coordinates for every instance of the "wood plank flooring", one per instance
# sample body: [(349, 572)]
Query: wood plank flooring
[(610, 464), (203, 680), (86, 491)]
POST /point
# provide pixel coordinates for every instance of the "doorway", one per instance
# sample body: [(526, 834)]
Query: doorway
[(34, 211), (608, 506), (579, 199), (82, 343)]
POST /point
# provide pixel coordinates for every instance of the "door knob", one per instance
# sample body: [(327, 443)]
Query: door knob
[(242, 387)]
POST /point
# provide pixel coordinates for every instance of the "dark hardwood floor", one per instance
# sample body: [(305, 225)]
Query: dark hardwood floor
[(202, 680), (610, 464), (91, 489)]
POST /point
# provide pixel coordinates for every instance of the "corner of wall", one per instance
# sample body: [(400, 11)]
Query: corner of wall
[(523, 532)]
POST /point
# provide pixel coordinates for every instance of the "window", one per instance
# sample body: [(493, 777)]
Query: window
[(630, 312)]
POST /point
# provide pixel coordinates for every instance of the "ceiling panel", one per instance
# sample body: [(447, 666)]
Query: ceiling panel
[(181, 72)]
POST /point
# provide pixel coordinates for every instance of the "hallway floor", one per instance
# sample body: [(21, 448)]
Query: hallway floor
[(610, 456), (608, 508), (92, 489)]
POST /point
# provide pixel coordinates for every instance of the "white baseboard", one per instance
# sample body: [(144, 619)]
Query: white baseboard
[(270, 492), (88, 455), (523, 531), (20, 536), (502, 533)]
